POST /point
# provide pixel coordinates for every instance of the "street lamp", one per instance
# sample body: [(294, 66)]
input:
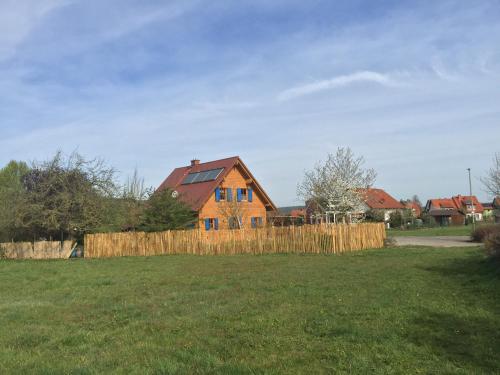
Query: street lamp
[(472, 202)]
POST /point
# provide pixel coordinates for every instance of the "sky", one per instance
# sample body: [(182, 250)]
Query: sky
[(412, 86)]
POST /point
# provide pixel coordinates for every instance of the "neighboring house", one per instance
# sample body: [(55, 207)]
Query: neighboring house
[(455, 210), (378, 200), (223, 193), (496, 209), (375, 200), (292, 211), (287, 216), (444, 211), (414, 208), (469, 205)]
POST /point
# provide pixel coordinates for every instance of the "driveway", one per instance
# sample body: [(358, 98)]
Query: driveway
[(437, 241)]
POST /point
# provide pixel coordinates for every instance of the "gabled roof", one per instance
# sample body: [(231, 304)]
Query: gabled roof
[(461, 202), (441, 203), (197, 194), (379, 199)]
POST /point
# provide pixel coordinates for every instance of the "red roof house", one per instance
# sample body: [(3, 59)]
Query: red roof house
[(380, 200), (454, 210)]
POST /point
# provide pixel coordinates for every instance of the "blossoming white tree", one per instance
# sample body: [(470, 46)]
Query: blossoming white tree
[(337, 186)]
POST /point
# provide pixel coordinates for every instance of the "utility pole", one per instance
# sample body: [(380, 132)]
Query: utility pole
[(472, 202)]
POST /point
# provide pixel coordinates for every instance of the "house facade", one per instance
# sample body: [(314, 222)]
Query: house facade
[(223, 193), (455, 211)]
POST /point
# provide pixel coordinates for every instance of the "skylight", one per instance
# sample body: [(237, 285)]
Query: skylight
[(203, 176)]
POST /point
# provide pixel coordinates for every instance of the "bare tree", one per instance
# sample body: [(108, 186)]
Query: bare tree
[(134, 197), (135, 188), (415, 199), (337, 185), (492, 180), (233, 212)]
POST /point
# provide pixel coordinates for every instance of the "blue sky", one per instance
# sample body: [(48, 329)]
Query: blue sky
[(413, 86)]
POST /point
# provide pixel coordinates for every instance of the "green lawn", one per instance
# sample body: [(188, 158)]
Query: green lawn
[(400, 311), (459, 230)]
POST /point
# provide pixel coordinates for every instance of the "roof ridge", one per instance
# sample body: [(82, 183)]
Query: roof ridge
[(211, 161)]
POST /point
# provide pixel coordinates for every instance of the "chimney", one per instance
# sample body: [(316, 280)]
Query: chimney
[(195, 162)]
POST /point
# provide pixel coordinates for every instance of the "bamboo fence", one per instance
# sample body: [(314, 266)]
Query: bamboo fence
[(36, 250), (315, 239)]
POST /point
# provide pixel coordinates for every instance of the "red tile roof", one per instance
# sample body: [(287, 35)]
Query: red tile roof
[(379, 199), (441, 203), (196, 195), (462, 201), (458, 203)]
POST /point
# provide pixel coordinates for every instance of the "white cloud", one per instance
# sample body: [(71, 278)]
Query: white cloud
[(340, 81)]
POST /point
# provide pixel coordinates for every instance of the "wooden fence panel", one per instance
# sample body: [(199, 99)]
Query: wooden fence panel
[(327, 239), (36, 250)]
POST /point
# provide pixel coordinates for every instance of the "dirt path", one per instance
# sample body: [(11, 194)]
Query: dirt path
[(437, 241)]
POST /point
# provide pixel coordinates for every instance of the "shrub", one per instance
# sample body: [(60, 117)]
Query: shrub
[(480, 234), (492, 244), (376, 216)]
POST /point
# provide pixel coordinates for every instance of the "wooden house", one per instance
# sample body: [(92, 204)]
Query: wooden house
[(223, 193)]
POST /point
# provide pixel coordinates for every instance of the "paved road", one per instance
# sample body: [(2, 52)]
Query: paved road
[(437, 241)]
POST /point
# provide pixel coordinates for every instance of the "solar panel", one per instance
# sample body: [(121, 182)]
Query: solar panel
[(203, 176), (189, 178)]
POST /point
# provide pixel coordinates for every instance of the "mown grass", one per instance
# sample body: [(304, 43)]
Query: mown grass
[(453, 230), (399, 310)]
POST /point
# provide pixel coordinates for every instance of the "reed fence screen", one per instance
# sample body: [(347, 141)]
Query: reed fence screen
[(36, 250), (314, 239)]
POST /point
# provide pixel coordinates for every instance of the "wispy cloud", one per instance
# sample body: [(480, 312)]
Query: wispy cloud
[(340, 81), (19, 18)]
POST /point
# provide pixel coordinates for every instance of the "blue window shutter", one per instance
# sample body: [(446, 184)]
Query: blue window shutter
[(254, 224), (216, 224), (250, 195), (217, 195), (229, 194), (238, 193), (207, 224)]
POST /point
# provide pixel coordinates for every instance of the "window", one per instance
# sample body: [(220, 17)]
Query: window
[(223, 194), (211, 224), (233, 223), (257, 222), (244, 195)]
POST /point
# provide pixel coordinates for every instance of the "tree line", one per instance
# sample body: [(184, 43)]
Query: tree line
[(65, 197)]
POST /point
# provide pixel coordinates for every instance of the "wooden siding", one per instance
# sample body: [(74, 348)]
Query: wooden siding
[(233, 180)]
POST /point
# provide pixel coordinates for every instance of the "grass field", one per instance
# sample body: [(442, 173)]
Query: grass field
[(459, 230), (406, 310)]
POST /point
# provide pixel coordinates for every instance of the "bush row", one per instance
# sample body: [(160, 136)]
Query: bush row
[(490, 236)]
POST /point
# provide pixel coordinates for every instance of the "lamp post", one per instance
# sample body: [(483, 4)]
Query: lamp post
[(472, 202)]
